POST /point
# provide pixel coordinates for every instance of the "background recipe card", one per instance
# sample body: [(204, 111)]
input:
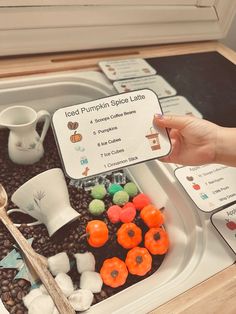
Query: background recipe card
[(179, 105), (209, 186), (109, 133), (127, 68), (155, 82), (225, 222)]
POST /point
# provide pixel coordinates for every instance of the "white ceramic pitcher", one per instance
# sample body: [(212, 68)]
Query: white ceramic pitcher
[(25, 145)]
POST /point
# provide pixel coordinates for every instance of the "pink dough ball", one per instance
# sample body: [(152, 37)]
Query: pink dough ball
[(129, 204), (127, 214), (113, 213)]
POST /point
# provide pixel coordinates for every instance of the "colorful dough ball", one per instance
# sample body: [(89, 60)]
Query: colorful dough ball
[(113, 213), (129, 204), (131, 189), (141, 200), (98, 191), (120, 198), (113, 188), (127, 214), (96, 207)]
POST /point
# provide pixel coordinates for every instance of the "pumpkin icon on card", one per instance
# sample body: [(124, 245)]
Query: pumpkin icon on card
[(76, 137)]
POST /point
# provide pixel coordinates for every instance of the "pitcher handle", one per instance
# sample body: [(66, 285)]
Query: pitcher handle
[(17, 210), (47, 117)]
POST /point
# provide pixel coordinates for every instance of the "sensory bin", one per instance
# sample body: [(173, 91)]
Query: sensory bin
[(131, 228)]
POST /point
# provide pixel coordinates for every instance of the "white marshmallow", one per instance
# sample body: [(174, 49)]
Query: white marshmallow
[(65, 283), (31, 296), (42, 304), (91, 280), (85, 261), (81, 299), (59, 263), (55, 311)]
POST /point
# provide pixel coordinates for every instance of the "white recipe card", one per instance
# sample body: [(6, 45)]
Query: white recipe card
[(155, 82), (109, 133), (225, 222), (127, 68), (210, 186), (179, 105)]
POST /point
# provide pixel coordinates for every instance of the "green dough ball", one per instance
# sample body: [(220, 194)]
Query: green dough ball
[(96, 207), (113, 188), (98, 191), (131, 189), (120, 198)]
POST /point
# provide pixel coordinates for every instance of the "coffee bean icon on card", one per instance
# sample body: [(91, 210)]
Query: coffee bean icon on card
[(189, 178), (72, 125)]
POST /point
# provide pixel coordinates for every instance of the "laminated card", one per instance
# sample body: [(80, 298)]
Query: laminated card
[(109, 133), (209, 186), (225, 223)]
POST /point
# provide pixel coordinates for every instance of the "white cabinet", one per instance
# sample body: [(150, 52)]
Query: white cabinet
[(33, 26)]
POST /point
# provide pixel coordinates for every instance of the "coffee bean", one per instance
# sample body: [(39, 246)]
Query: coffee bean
[(76, 236), (10, 302), (103, 294), (14, 292), (5, 282), (13, 309), (20, 295), (6, 296), (22, 283), (41, 241), (5, 288), (4, 252)]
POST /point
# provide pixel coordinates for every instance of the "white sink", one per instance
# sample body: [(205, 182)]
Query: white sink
[(197, 251)]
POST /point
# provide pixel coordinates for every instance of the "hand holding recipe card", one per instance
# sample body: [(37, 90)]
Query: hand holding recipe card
[(109, 133)]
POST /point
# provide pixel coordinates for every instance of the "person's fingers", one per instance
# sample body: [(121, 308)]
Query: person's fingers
[(174, 134), (173, 155), (172, 121)]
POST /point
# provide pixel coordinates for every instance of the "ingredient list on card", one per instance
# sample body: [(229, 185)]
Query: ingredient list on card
[(109, 133), (126, 68), (210, 186)]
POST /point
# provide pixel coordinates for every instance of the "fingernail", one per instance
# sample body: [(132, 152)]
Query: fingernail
[(158, 116)]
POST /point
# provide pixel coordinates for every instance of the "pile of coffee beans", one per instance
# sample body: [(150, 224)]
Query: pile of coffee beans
[(69, 239)]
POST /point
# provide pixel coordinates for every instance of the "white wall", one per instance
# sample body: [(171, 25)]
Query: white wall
[(230, 39)]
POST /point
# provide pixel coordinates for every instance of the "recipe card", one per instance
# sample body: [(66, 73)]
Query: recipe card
[(109, 133), (127, 68), (210, 186), (179, 105), (225, 222), (155, 82)]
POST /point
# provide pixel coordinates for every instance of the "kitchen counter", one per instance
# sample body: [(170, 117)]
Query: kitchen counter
[(215, 295)]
